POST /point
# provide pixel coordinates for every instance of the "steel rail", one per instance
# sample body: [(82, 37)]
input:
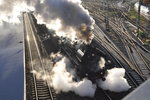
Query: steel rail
[(131, 42), (131, 78), (34, 77), (39, 55), (35, 40)]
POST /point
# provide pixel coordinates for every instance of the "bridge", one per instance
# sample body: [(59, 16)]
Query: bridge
[(35, 62)]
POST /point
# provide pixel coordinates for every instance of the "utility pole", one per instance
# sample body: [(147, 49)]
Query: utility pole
[(138, 19)]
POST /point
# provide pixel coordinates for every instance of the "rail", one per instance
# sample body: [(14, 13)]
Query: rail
[(41, 89)]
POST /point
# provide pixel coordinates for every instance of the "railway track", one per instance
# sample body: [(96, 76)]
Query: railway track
[(113, 49), (133, 52), (132, 77), (40, 88), (126, 38), (97, 9), (134, 55), (128, 41), (137, 67), (123, 14), (100, 94)]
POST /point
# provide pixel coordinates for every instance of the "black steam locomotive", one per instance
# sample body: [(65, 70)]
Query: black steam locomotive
[(86, 59)]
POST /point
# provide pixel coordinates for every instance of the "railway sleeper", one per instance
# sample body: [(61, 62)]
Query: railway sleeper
[(136, 78), (43, 92), (42, 89), (131, 84), (33, 90), (39, 81), (44, 98), (44, 95), (33, 98), (41, 86)]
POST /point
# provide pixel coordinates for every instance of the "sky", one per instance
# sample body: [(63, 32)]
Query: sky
[(11, 61)]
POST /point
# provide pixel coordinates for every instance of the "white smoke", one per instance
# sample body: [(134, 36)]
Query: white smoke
[(62, 80), (67, 17), (1, 2), (61, 77), (115, 81), (12, 13), (70, 17), (57, 19), (62, 74), (41, 75)]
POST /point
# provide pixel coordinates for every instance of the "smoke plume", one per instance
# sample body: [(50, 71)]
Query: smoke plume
[(67, 17), (62, 75), (62, 79), (115, 81)]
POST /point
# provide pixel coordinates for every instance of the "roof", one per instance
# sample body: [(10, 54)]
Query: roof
[(141, 93)]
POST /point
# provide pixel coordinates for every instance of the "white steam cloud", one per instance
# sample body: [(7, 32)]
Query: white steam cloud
[(11, 11), (62, 80), (62, 75), (115, 81), (67, 17)]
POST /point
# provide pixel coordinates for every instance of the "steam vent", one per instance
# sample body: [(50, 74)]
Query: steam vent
[(74, 50)]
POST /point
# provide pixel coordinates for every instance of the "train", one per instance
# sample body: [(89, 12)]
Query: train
[(86, 59)]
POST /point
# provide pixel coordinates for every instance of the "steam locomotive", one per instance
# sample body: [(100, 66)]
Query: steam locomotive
[(86, 59)]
